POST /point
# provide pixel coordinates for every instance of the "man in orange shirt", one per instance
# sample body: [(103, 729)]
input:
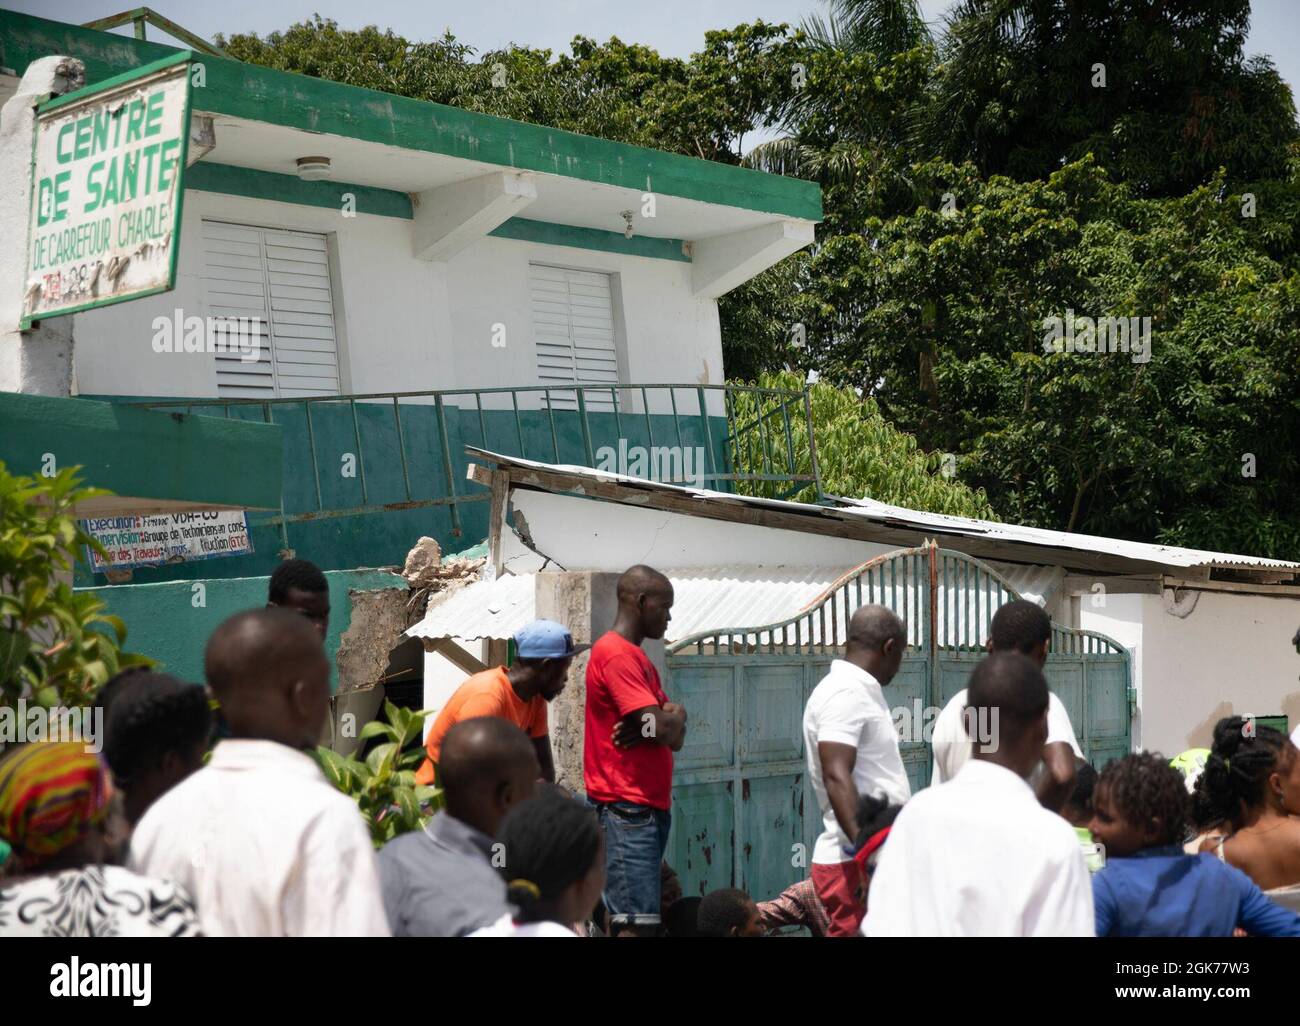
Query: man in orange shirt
[(544, 651)]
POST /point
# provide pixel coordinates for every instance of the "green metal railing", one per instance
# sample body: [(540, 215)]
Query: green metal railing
[(766, 449)]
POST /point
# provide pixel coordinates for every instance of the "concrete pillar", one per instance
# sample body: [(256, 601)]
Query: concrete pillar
[(586, 603), (38, 361)]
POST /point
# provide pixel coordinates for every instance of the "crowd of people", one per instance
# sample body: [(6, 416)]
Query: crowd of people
[(205, 813)]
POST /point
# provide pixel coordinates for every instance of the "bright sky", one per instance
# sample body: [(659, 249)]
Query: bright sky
[(674, 27)]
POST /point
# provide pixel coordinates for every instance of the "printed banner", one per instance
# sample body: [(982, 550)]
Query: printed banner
[(153, 540)]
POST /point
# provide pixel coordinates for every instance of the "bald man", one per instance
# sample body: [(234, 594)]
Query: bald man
[(259, 837), (631, 732), (442, 881), (852, 750)]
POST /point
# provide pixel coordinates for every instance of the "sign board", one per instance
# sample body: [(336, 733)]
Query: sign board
[(153, 540), (107, 169)]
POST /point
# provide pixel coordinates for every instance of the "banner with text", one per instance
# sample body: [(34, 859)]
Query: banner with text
[(152, 540), (108, 164)]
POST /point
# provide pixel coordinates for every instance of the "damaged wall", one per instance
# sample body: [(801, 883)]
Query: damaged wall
[(171, 621)]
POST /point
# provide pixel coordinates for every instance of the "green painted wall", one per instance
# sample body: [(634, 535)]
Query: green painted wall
[(165, 622), (383, 539), (142, 453)]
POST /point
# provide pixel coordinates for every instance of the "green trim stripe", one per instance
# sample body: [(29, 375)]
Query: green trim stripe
[(525, 230), (268, 185), (91, 91), (321, 106), (247, 181)]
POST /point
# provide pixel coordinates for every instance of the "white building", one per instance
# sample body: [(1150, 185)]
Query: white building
[(1209, 633)]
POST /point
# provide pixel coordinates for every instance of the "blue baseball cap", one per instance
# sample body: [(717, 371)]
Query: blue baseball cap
[(545, 639)]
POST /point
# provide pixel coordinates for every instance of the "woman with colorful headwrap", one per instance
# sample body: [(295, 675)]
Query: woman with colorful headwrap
[(55, 803)]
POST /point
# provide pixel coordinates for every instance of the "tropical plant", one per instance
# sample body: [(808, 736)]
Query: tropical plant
[(859, 455), (57, 645), (383, 784)]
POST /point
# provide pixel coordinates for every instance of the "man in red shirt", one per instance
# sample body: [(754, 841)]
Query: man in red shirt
[(631, 732)]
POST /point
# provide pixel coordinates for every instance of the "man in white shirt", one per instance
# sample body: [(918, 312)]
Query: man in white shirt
[(979, 856), (1023, 627), (852, 749), (260, 839)]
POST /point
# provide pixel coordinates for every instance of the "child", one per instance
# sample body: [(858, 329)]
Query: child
[(1077, 811), (728, 912), (1150, 887), (876, 815), (554, 867)]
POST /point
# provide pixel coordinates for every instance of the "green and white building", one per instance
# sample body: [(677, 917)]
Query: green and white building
[(428, 276)]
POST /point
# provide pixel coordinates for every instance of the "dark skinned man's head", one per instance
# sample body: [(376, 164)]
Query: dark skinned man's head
[(545, 653), (155, 737), (268, 670), (299, 585), (645, 597), (1024, 627), (1008, 693), (877, 640), (487, 766)]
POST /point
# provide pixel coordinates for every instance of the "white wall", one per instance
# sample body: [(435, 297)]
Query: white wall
[(579, 534), (406, 324), (666, 335), (1231, 655), (442, 677)]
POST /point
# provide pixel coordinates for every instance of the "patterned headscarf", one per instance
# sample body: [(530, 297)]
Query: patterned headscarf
[(50, 793)]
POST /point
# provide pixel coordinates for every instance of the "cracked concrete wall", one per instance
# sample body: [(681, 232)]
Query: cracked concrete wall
[(585, 603), (378, 620)]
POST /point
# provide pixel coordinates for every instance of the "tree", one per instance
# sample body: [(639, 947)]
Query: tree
[(57, 646), (1160, 93), (942, 315), (859, 455)]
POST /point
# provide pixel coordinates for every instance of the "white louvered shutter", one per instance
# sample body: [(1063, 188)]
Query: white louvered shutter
[(573, 323), (282, 278)]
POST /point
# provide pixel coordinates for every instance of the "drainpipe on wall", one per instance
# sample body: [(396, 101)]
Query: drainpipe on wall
[(39, 361)]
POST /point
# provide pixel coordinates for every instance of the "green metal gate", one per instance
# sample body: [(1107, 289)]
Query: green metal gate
[(744, 814)]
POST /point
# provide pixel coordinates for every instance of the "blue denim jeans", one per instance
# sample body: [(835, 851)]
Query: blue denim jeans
[(636, 837)]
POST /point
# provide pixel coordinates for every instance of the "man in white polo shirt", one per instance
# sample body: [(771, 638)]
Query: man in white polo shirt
[(852, 748), (1024, 627)]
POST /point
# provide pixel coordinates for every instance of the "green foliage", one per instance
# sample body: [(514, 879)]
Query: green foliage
[(859, 455), (702, 106), (383, 786), (57, 646), (1017, 92), (940, 316)]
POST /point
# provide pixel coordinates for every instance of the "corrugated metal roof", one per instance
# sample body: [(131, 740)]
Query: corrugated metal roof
[(705, 598), (1037, 542), (1170, 555)]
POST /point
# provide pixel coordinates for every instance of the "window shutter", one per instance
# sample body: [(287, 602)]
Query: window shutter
[(281, 278), (573, 324)]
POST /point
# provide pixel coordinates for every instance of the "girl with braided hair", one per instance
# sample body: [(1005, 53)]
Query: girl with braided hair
[(553, 864), (1252, 782)]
